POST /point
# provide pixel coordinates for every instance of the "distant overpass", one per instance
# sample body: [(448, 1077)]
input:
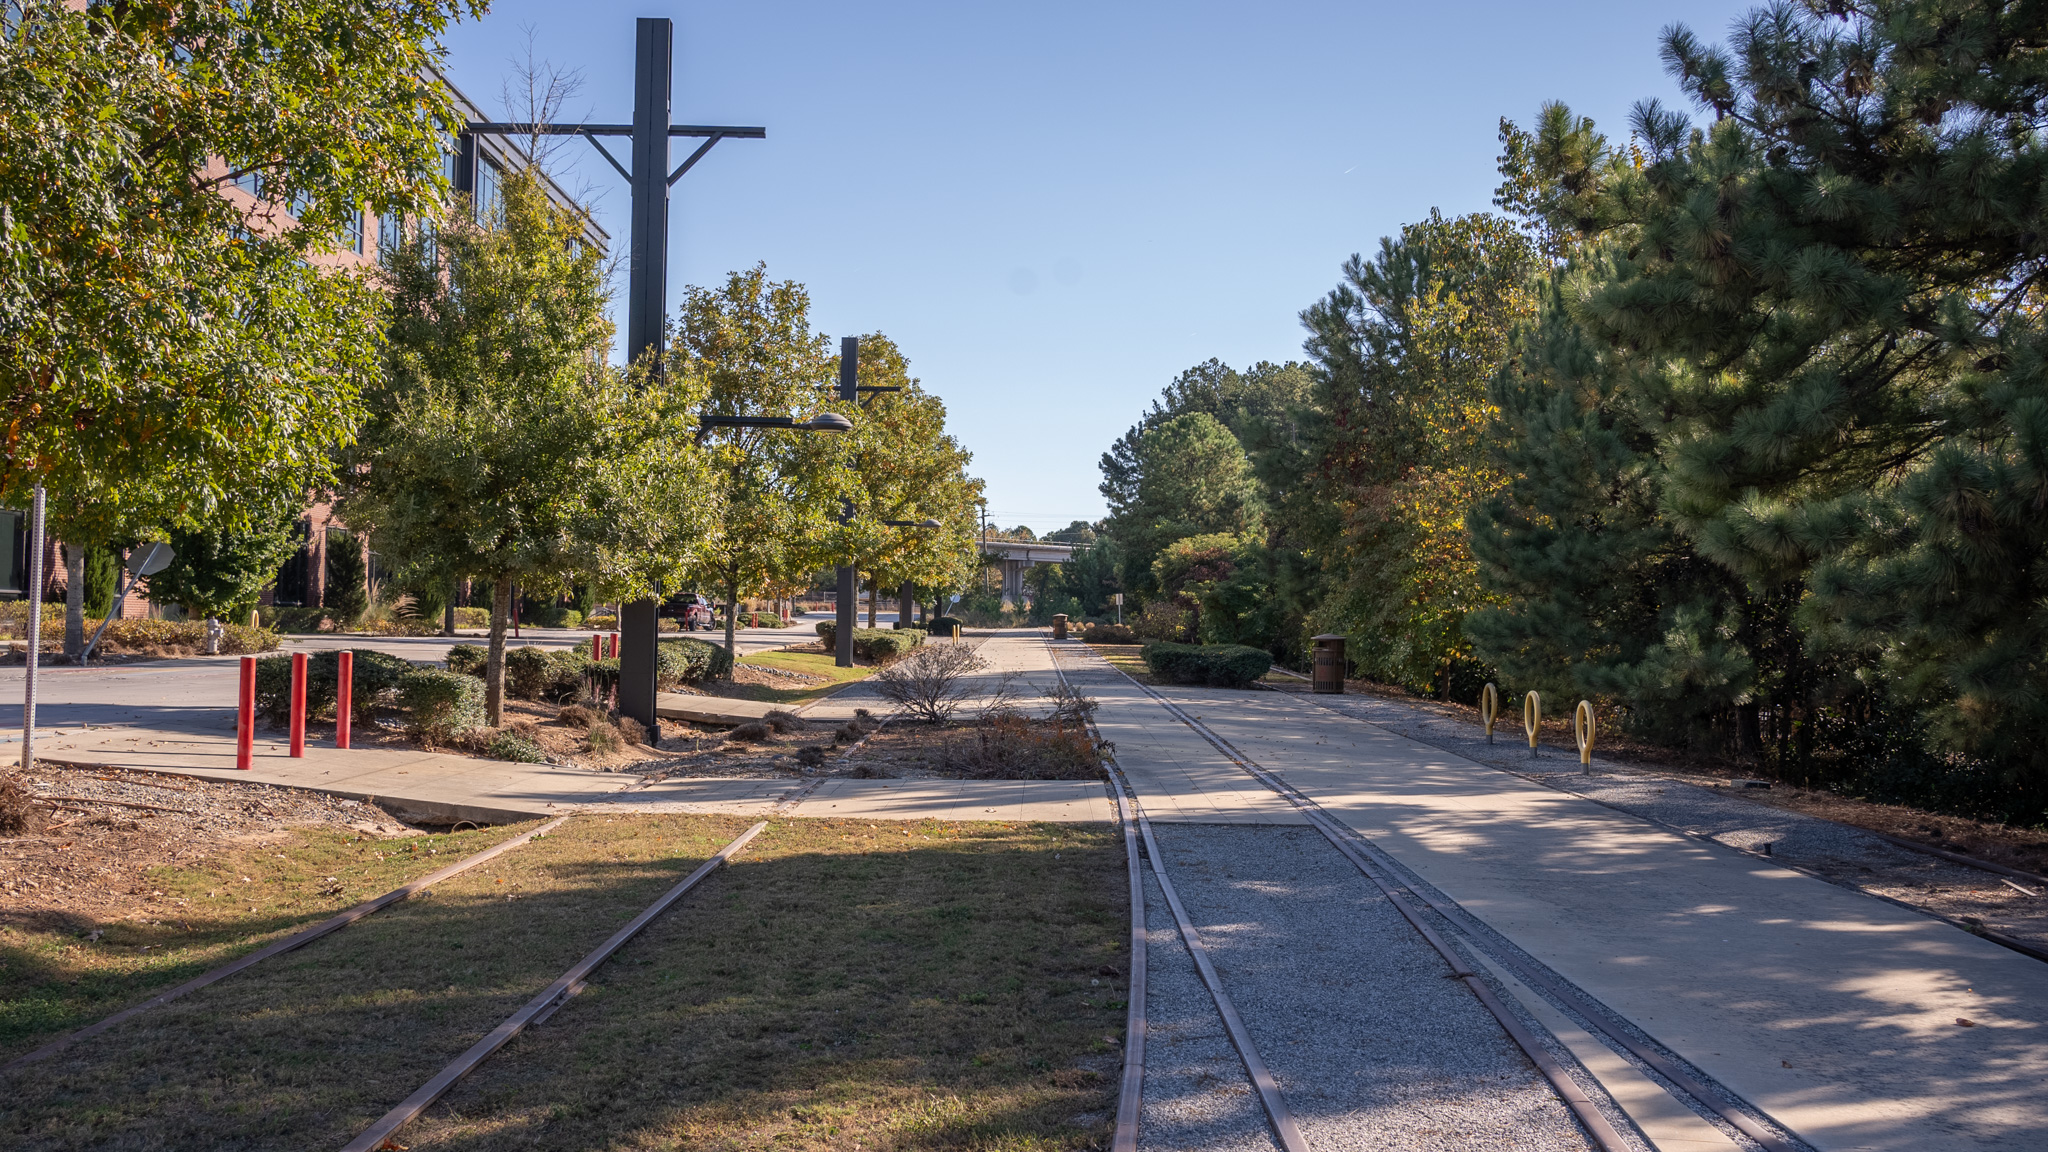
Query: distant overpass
[(1017, 555)]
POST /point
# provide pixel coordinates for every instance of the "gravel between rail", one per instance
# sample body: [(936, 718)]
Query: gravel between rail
[(1374, 1047)]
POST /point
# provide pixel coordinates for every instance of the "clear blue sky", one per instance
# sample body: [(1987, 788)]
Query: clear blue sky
[(1053, 207)]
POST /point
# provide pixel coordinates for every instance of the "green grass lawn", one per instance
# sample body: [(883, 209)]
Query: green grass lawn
[(815, 663), (890, 985)]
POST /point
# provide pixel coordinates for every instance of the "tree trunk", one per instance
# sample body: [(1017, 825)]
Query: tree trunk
[(448, 612), (871, 604), (732, 615), (74, 601), (494, 664), (906, 606)]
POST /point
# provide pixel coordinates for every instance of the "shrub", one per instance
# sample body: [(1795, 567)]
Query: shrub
[(603, 737), (17, 811), (1217, 665), (782, 721), (468, 659), (472, 617), (441, 705), (1108, 634), (601, 622), (578, 716), (533, 673), (572, 619), (878, 644), (932, 682), (750, 733), (687, 660), (181, 635), (297, 621), (1161, 620), (943, 625), (376, 677), (509, 745)]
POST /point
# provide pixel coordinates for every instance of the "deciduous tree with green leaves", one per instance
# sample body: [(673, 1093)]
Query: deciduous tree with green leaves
[(164, 342), (501, 447), (747, 345)]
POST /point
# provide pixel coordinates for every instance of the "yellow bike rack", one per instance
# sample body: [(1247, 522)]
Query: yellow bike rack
[(1532, 719), (1489, 708), (1582, 729)]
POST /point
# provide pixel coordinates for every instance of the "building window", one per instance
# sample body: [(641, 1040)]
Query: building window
[(290, 590), (249, 182), (352, 232), (390, 235), (13, 554), (487, 179)]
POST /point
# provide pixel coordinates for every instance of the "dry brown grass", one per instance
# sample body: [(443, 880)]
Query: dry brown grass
[(895, 986)]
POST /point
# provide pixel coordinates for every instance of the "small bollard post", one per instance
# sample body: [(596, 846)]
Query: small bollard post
[(1059, 625), (298, 703), (1489, 707), (245, 718), (1532, 720), (611, 647), (344, 691), (1582, 730)]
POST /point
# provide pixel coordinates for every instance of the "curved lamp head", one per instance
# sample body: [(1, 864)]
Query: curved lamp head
[(828, 422), (929, 524)]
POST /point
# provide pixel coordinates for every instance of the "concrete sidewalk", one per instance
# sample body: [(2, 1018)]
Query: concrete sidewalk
[(1837, 1013), (439, 788)]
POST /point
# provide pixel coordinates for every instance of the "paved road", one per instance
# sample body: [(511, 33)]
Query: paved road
[(195, 695)]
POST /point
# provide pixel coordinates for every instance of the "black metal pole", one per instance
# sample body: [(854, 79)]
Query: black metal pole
[(847, 606), (646, 309)]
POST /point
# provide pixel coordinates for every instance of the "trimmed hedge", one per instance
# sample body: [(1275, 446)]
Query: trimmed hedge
[(687, 660), (1217, 665), (468, 659), (556, 675), (877, 644), (1108, 634), (299, 621), (376, 678), (533, 673), (601, 622), (472, 617), (439, 704)]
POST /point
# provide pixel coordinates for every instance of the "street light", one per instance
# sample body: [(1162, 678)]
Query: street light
[(822, 422)]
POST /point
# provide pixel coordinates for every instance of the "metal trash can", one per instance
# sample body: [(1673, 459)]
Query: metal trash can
[(1329, 674), (1059, 625)]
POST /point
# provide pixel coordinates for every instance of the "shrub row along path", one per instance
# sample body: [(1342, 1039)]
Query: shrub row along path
[(178, 716), (1854, 1023)]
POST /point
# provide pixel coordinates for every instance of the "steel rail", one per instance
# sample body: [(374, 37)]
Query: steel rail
[(1342, 838), (1131, 1091), (296, 940), (1275, 1104), (539, 1008)]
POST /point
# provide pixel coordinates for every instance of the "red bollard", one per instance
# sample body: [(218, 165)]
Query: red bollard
[(245, 720), (344, 691), (298, 703), (612, 647), (597, 646)]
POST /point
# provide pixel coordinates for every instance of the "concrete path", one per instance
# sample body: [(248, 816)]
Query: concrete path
[(1840, 1015), (439, 788)]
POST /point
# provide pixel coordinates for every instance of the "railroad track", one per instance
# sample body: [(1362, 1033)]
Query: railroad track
[(536, 1011), (1447, 928)]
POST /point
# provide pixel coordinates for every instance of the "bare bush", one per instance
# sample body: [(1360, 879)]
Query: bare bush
[(932, 682), (753, 732), (1071, 708), (782, 721)]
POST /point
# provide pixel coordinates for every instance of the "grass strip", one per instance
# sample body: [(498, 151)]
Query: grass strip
[(843, 984), (296, 940), (308, 1049), (60, 974), (815, 663), (1125, 658)]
